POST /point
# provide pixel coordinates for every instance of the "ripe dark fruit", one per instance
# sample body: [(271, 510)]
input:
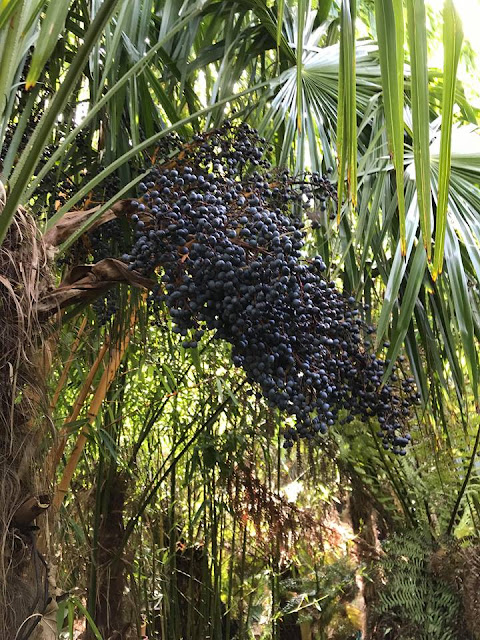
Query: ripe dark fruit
[(224, 237)]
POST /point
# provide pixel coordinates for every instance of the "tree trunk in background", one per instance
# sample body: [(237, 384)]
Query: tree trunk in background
[(364, 524), (109, 567)]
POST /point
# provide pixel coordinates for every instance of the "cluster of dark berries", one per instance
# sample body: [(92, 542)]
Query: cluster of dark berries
[(109, 239), (220, 231), (106, 306)]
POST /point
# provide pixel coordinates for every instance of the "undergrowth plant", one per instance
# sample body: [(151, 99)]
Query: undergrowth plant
[(414, 603)]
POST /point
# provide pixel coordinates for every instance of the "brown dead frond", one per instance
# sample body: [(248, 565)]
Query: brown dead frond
[(275, 519)]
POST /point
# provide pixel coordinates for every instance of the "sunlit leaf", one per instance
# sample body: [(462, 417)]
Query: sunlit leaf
[(52, 27), (417, 41), (452, 44)]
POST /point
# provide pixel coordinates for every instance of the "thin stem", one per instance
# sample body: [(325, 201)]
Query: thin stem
[(465, 484)]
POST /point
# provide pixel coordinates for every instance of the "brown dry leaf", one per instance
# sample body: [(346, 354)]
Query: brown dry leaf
[(73, 220), (86, 282), (47, 628)]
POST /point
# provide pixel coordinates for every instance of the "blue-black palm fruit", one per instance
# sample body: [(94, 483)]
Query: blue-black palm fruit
[(221, 233)]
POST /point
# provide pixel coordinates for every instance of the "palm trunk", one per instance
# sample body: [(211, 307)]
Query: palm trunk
[(28, 302), (24, 489)]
